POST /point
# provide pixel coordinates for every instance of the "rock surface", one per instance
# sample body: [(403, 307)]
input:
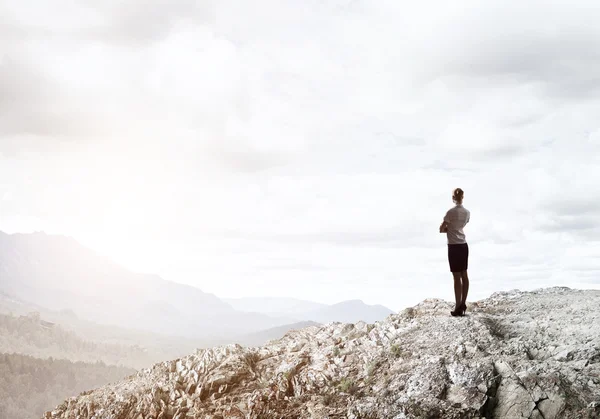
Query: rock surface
[(515, 355)]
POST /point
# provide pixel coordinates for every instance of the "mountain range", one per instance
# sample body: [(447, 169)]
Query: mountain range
[(57, 273), (350, 311)]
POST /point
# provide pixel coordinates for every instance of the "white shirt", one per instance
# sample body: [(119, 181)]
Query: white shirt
[(457, 218)]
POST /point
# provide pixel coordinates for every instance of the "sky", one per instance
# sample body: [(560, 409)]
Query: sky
[(308, 149)]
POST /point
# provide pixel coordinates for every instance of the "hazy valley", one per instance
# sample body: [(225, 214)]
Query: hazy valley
[(59, 301)]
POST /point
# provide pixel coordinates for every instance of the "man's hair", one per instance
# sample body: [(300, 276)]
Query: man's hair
[(458, 195)]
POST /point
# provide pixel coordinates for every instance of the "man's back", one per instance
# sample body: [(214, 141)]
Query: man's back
[(457, 218)]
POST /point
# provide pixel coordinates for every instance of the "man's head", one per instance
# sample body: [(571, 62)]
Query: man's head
[(457, 195)]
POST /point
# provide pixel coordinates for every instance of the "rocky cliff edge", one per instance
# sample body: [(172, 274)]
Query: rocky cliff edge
[(515, 355)]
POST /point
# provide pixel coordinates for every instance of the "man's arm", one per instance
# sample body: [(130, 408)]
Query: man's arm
[(445, 223), (444, 227)]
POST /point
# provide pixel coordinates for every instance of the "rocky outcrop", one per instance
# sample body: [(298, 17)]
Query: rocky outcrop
[(515, 355)]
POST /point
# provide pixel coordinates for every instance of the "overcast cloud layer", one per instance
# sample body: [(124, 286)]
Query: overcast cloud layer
[(308, 148)]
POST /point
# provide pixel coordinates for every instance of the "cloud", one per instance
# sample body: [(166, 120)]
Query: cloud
[(579, 219), (507, 42), (399, 237), (27, 101), (572, 224), (248, 161), (132, 23), (136, 22), (579, 207), (213, 138)]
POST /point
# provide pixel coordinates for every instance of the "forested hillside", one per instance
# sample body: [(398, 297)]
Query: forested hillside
[(30, 386), (31, 335)]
